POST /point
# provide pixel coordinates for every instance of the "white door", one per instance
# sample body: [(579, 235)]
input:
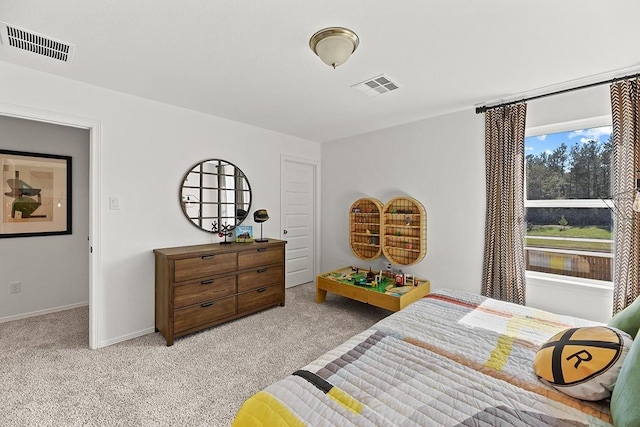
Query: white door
[(298, 181)]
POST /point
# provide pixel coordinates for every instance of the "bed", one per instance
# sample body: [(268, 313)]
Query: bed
[(449, 359)]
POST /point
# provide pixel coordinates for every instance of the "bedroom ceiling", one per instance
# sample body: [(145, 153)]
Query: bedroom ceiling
[(249, 60)]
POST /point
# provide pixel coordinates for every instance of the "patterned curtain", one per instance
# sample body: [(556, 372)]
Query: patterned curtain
[(504, 265), (625, 107)]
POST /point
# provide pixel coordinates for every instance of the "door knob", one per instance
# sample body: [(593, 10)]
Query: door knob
[(284, 232)]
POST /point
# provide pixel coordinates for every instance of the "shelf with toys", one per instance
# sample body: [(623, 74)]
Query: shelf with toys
[(364, 228), (404, 231), (397, 229)]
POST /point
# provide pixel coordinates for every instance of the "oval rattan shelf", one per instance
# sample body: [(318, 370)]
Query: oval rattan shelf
[(404, 231), (364, 226)]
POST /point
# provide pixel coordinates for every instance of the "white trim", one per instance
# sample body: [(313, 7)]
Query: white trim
[(567, 203), (95, 135), (570, 252), (549, 279), (316, 203), (127, 337), (41, 312), (569, 239), (592, 122)]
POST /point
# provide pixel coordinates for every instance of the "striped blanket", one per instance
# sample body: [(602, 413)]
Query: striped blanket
[(450, 359)]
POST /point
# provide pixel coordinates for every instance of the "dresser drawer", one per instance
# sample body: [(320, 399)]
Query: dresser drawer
[(259, 298), (203, 266), (260, 277), (260, 256), (204, 290), (201, 314)]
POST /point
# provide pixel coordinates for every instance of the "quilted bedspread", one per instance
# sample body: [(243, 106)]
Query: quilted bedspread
[(449, 359)]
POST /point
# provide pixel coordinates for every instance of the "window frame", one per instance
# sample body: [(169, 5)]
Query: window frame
[(566, 126)]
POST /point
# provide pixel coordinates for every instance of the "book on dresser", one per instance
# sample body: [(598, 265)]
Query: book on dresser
[(201, 286)]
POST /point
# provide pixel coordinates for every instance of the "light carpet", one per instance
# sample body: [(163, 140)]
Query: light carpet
[(49, 376)]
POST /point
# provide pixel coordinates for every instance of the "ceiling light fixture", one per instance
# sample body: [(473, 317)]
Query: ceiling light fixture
[(334, 45)]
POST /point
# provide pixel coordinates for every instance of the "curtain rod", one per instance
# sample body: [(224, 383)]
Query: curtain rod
[(484, 108)]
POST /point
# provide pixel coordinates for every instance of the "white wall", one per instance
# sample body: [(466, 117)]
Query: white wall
[(146, 147), (53, 270), (440, 162)]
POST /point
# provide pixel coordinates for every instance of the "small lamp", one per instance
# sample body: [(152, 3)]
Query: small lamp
[(260, 216), (334, 45)]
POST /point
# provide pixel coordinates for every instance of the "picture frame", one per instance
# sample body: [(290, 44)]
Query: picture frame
[(36, 194), (244, 233)]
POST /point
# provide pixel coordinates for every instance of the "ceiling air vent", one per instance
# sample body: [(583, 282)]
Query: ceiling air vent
[(20, 38), (376, 85)]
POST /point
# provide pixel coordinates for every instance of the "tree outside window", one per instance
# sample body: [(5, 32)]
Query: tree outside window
[(568, 183)]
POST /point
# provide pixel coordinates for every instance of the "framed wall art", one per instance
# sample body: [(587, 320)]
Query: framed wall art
[(36, 194)]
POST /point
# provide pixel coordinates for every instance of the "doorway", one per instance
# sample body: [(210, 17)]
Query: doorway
[(93, 126)]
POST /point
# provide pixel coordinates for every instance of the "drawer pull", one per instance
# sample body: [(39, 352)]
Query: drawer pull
[(262, 270), (262, 289), (208, 256), (206, 304), (261, 249), (207, 282)]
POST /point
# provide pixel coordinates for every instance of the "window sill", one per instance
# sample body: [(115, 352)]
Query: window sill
[(537, 278)]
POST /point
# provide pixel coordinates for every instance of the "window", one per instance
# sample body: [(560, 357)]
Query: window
[(568, 186)]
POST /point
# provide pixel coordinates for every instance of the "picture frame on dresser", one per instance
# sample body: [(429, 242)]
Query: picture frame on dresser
[(244, 233)]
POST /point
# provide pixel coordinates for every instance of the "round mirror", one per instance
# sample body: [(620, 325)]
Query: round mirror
[(215, 195)]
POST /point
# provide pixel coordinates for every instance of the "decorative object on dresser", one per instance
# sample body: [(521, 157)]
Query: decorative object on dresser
[(204, 285), (260, 216), (225, 230), (244, 233)]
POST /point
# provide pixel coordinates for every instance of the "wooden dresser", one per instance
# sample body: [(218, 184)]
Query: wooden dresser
[(205, 285)]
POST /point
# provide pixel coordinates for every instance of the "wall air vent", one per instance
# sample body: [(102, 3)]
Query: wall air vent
[(377, 85), (19, 38)]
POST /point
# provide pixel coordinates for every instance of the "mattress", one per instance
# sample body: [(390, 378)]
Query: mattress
[(449, 359)]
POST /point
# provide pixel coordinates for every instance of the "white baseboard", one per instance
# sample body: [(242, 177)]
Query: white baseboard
[(41, 312), (127, 337)]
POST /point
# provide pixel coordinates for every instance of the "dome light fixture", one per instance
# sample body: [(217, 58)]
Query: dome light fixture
[(334, 45)]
